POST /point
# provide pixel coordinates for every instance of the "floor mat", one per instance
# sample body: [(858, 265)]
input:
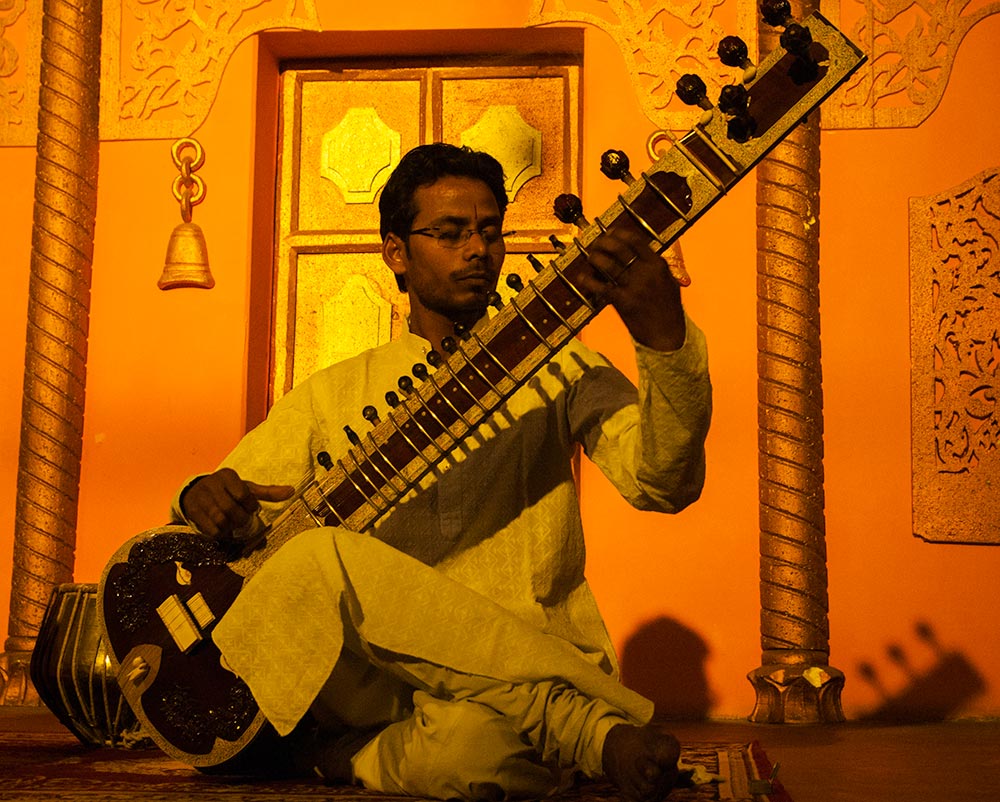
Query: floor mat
[(55, 767)]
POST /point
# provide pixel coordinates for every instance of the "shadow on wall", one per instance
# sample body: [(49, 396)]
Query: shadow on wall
[(665, 662), (935, 693)]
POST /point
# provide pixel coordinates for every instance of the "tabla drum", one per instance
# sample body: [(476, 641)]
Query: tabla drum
[(71, 671)]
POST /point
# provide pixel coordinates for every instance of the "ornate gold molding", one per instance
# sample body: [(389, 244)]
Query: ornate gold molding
[(911, 49), (163, 61), (955, 361), (659, 41), (20, 20)]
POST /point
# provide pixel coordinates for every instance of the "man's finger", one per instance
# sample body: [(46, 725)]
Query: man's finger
[(675, 261), (271, 492)]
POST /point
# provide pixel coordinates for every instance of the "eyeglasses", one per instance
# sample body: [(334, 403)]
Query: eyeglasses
[(453, 237)]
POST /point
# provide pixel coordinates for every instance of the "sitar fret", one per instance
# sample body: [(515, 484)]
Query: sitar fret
[(378, 454), (454, 385)]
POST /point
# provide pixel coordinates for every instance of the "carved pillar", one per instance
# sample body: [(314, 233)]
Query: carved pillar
[(58, 319), (794, 682)]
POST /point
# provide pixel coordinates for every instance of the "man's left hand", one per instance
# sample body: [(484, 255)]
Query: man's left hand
[(629, 275)]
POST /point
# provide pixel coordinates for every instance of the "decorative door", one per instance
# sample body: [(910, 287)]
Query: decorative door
[(343, 129)]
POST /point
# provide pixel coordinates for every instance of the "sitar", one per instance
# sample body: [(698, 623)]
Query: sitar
[(163, 591)]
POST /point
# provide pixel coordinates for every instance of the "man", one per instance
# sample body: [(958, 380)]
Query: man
[(456, 651)]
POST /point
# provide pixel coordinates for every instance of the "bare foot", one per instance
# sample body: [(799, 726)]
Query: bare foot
[(641, 761)]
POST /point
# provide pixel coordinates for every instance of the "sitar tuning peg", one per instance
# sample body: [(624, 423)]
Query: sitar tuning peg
[(733, 52), (734, 101), (535, 262), (419, 370), (434, 359), (392, 399), (323, 458), (352, 436), (405, 384), (568, 209), (795, 38), (692, 91), (514, 282), (494, 300), (615, 164), (370, 414), (776, 13), (461, 331), (559, 246)]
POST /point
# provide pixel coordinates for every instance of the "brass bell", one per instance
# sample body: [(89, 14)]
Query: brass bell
[(187, 254), (187, 260)]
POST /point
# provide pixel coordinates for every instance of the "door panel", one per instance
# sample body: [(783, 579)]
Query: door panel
[(343, 131)]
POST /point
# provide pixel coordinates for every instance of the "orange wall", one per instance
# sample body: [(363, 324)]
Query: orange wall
[(166, 389)]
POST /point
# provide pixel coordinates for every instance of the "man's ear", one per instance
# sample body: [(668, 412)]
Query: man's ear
[(394, 254)]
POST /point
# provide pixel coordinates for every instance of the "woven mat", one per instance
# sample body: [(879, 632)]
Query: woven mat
[(55, 767)]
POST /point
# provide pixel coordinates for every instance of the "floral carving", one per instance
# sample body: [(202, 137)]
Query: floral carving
[(955, 361), (966, 305), (911, 45), (659, 41), (167, 74), (19, 72)]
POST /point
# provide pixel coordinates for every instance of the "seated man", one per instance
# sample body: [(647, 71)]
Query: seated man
[(455, 650)]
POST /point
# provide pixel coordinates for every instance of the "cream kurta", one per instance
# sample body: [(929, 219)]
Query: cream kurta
[(500, 516)]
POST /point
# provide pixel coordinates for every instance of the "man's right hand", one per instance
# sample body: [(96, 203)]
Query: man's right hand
[(221, 503), (641, 761)]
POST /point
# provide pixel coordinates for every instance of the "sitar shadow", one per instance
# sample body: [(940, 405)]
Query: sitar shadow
[(938, 692)]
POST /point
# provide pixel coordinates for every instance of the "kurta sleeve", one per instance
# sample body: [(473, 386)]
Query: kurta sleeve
[(650, 442)]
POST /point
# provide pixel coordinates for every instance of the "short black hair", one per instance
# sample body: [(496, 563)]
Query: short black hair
[(423, 166)]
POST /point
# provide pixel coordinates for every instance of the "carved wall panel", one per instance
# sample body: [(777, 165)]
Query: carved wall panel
[(955, 368), (525, 116), (342, 132), (660, 41), (20, 62), (911, 44), (162, 63), (350, 302), (358, 154), (503, 132), (911, 47)]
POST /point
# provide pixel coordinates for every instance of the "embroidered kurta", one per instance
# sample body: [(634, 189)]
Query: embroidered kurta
[(499, 516)]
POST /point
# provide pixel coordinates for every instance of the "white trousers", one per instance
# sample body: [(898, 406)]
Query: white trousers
[(471, 694)]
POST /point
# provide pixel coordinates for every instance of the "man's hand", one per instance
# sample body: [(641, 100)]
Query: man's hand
[(221, 503), (638, 283), (641, 761)]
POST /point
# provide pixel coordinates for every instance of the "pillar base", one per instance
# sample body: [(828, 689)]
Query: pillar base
[(16, 687), (797, 693)]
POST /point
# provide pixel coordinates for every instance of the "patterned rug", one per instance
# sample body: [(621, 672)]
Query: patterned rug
[(55, 767)]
